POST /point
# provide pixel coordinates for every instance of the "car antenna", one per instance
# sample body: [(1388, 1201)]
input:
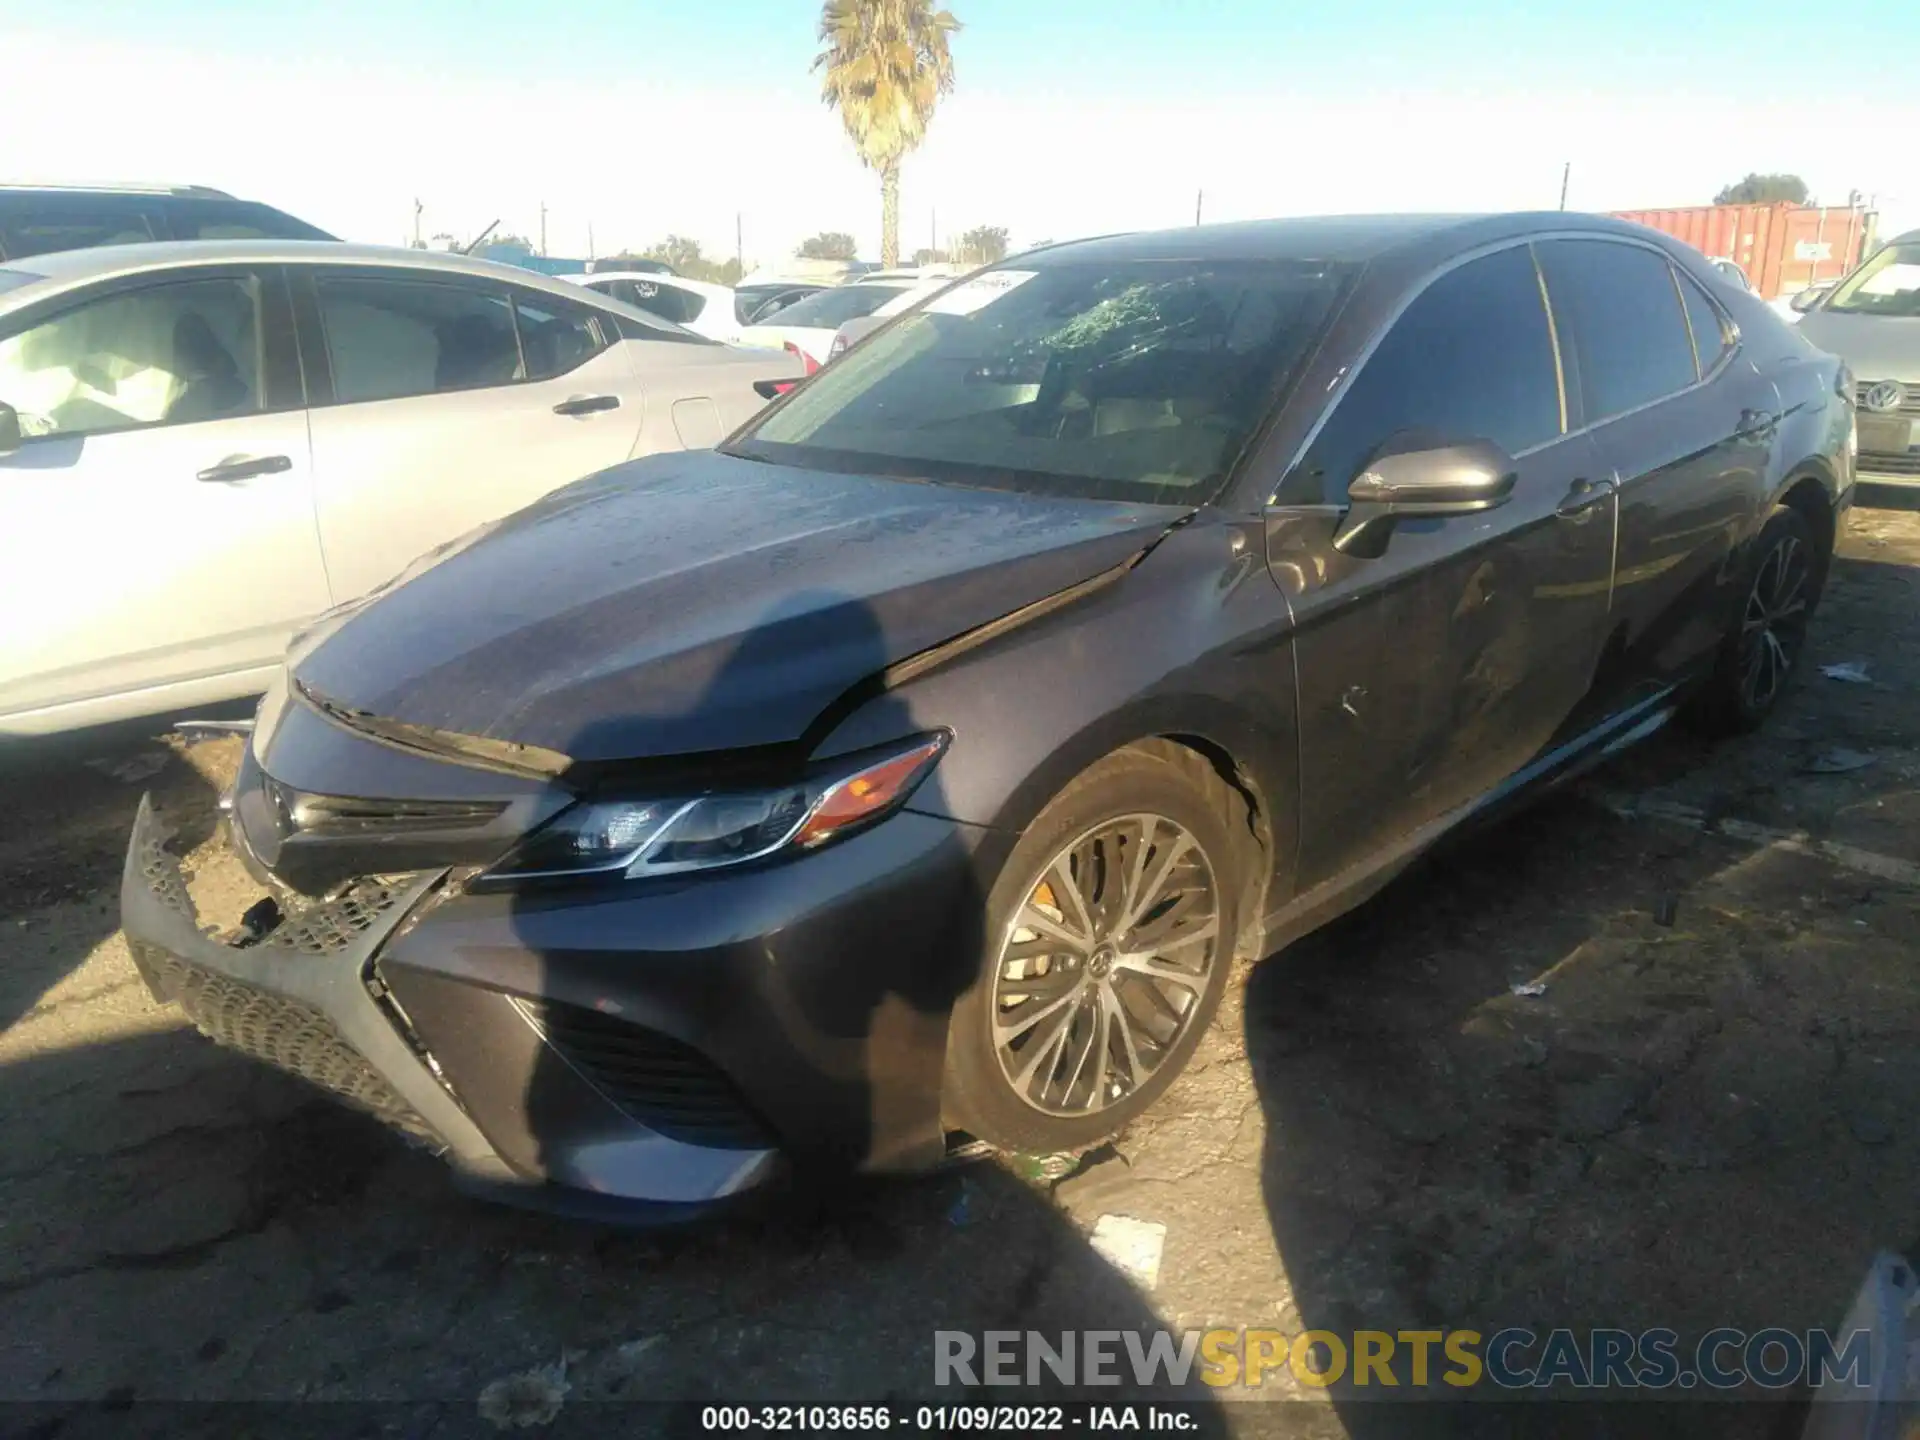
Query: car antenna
[(475, 244)]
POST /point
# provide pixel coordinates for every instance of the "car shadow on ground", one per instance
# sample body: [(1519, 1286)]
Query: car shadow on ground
[(1591, 1070)]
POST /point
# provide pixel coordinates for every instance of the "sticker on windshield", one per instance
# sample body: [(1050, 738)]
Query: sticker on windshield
[(978, 293)]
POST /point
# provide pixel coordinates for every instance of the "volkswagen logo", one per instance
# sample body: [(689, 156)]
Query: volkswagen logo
[(1885, 396)]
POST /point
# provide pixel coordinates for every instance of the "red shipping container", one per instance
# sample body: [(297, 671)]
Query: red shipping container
[(1783, 248)]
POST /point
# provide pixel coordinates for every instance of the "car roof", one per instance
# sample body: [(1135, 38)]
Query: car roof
[(106, 262), (178, 192), (1353, 238)]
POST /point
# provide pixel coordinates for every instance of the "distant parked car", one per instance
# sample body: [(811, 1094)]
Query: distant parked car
[(809, 325), (42, 219), (701, 307), (204, 445), (1731, 269), (864, 325), (1871, 320), (930, 757), (760, 300)]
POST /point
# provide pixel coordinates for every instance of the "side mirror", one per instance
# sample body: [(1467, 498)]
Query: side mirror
[(1810, 297), (9, 429), (1440, 480)]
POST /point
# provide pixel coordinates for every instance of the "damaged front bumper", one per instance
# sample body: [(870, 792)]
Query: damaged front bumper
[(308, 997)]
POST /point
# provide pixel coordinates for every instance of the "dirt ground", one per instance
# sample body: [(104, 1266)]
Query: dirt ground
[(1703, 1119)]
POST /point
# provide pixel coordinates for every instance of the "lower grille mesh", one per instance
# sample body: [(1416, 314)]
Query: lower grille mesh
[(285, 1034), (663, 1084)]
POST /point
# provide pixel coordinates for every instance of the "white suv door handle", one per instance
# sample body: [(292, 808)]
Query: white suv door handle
[(245, 467)]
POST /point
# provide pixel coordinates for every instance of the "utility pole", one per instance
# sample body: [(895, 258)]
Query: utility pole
[(739, 245), (1198, 196), (1566, 174), (589, 240), (543, 228), (933, 231), (417, 208)]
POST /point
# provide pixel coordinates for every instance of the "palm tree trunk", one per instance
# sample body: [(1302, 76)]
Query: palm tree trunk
[(890, 214)]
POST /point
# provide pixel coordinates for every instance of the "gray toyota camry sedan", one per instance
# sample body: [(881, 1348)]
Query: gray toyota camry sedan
[(915, 765)]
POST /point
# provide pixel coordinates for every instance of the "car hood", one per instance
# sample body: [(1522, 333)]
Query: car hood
[(1875, 347), (698, 602)]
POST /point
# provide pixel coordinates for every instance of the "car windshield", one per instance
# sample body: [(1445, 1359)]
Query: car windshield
[(830, 309), (1132, 381), (1888, 284)]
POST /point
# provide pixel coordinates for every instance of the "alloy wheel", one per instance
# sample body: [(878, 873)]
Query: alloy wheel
[(1774, 622), (1103, 967)]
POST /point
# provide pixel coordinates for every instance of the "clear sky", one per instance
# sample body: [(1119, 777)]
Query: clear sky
[(1070, 117)]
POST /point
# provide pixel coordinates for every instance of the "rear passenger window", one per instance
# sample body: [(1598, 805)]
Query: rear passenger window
[(554, 336), (1710, 338), (1470, 359), (1617, 306)]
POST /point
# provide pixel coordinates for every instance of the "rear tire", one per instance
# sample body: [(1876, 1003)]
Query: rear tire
[(1110, 934), (1778, 594)]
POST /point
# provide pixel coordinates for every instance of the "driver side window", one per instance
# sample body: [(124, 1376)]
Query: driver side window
[(1471, 358), (160, 355)]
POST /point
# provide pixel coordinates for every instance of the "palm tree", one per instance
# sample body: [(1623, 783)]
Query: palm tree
[(886, 66)]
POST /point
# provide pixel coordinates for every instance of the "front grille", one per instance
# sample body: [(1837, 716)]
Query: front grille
[(663, 1084), (330, 926), (283, 1033), (1909, 406), (1873, 462)]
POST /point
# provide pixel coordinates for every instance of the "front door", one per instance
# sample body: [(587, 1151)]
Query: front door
[(454, 401), (156, 522), (1432, 673)]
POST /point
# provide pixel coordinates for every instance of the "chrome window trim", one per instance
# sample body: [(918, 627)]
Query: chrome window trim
[(1343, 382)]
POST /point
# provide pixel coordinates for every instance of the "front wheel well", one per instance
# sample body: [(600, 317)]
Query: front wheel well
[(1258, 822)]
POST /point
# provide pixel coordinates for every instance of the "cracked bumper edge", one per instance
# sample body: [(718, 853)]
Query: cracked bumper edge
[(306, 1013)]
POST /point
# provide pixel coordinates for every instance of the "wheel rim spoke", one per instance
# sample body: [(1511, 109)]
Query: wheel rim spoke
[(1110, 1003), (1105, 963)]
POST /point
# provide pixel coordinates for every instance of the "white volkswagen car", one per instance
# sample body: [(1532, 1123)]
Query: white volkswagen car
[(204, 445)]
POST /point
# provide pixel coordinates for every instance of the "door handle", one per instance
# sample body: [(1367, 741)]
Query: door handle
[(1581, 498), (586, 404), (245, 467)]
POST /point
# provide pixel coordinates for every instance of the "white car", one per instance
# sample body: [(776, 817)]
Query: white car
[(204, 445), (859, 329), (809, 325), (696, 305)]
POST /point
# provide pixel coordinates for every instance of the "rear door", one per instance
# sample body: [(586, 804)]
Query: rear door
[(156, 525), (1685, 423), (450, 401), (1429, 675)]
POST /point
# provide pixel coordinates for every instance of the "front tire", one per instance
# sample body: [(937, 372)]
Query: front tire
[(1781, 589), (1110, 935)]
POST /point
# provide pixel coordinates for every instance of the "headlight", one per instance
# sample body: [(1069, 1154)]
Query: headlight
[(638, 838)]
